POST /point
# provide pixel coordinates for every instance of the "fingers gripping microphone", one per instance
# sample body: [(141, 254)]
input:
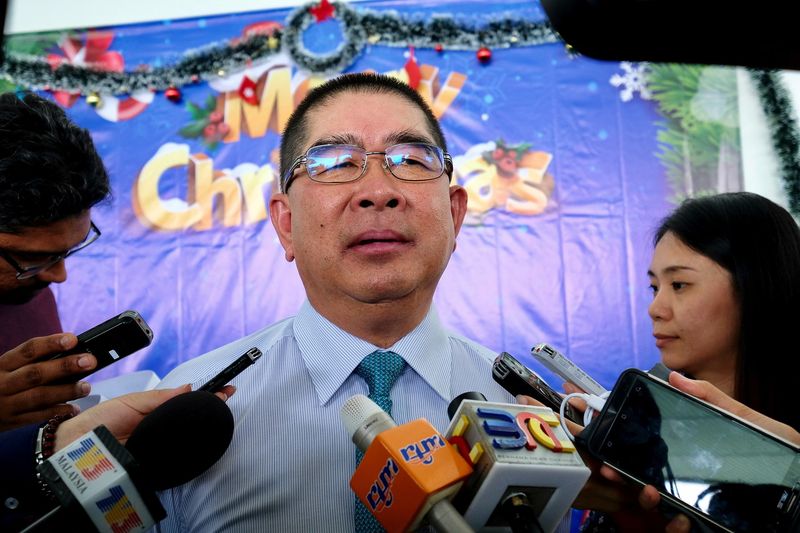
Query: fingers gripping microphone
[(408, 471), (519, 454), (106, 487)]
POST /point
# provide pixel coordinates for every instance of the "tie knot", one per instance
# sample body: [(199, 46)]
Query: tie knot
[(380, 370)]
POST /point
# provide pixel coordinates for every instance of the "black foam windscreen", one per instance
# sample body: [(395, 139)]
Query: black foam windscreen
[(758, 35), (455, 402), (181, 439)]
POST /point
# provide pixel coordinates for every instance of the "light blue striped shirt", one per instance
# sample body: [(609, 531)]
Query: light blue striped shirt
[(289, 465)]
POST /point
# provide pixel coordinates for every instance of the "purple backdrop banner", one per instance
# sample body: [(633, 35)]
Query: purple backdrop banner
[(558, 153)]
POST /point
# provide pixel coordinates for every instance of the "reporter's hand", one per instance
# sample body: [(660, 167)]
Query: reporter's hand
[(122, 414), (632, 507), (577, 403), (27, 394), (711, 394)]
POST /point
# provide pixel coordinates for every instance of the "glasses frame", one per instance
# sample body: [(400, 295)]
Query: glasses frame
[(26, 272), (289, 176)]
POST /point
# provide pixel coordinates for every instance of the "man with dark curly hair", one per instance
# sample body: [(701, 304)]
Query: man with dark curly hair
[(50, 177)]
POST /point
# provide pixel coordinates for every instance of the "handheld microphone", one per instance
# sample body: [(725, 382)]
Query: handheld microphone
[(522, 460), (104, 486), (408, 472)]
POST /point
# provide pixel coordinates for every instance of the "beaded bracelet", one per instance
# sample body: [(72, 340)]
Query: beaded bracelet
[(45, 441)]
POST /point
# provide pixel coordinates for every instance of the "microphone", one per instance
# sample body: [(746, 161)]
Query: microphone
[(524, 465), (408, 472), (106, 487)]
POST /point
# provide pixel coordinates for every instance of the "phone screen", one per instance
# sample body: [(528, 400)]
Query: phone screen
[(710, 461)]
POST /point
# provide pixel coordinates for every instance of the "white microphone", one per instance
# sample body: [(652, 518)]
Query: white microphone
[(408, 473), (518, 452)]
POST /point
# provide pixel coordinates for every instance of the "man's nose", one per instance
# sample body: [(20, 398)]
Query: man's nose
[(56, 273), (378, 188)]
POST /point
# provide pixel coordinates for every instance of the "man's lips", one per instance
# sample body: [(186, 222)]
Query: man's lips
[(378, 241), (662, 340)]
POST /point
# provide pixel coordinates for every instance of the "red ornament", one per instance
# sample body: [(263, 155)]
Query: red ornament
[(322, 11), (484, 55), (412, 69), (173, 94), (439, 48), (247, 90)]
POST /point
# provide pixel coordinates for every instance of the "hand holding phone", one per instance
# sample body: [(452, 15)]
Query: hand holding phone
[(117, 337), (709, 464)]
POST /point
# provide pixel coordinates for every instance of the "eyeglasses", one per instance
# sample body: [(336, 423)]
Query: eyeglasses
[(25, 271), (341, 163)]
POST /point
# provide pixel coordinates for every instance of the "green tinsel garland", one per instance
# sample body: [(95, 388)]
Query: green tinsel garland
[(35, 73), (778, 108), (358, 28)]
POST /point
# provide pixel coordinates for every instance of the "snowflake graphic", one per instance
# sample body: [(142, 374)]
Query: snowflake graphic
[(632, 80)]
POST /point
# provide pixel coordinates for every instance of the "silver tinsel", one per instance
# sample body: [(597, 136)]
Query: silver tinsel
[(358, 28)]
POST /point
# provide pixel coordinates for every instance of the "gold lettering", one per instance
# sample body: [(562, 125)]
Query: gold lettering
[(253, 184), (205, 184), (273, 110), (439, 97), (150, 209)]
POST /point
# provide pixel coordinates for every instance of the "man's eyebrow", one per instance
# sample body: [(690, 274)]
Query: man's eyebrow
[(337, 138), (396, 137), (407, 136)]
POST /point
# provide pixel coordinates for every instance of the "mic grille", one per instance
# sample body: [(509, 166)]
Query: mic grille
[(355, 412)]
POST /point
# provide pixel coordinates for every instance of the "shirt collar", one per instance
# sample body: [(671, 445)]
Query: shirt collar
[(331, 354)]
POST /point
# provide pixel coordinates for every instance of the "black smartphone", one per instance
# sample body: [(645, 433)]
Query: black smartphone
[(117, 337), (232, 370), (518, 379), (707, 463)]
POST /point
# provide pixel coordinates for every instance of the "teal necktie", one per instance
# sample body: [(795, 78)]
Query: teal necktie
[(380, 370)]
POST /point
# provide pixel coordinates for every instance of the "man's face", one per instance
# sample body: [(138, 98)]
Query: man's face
[(377, 239), (33, 246)]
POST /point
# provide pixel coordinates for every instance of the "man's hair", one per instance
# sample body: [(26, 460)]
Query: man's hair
[(294, 135), (758, 243), (49, 168)]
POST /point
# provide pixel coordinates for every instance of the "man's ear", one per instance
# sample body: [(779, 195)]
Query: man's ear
[(281, 215), (458, 206)]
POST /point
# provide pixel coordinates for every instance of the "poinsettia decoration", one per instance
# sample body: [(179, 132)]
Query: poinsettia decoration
[(206, 124), (92, 52)]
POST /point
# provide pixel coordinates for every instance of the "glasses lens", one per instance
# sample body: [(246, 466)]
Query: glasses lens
[(30, 270), (415, 162), (335, 163)]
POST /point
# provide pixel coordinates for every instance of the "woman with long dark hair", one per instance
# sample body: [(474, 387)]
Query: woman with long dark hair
[(725, 277), (726, 306)]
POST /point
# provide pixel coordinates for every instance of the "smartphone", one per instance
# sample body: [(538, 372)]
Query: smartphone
[(517, 379), (558, 363), (232, 370), (117, 337), (708, 464)]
